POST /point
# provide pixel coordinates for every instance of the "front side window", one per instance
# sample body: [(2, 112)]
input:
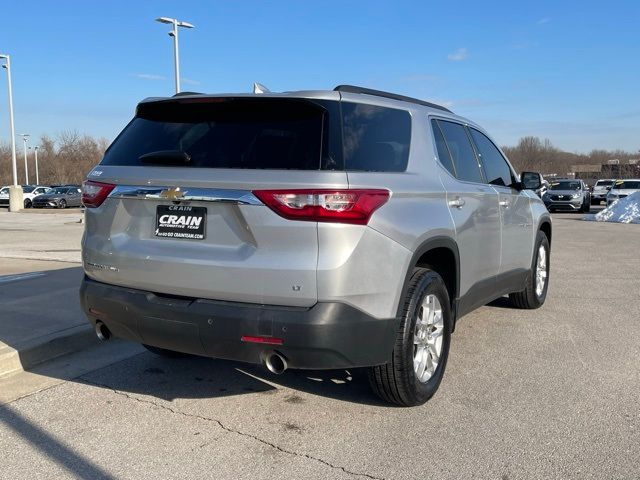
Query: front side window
[(376, 139), (462, 154), (495, 166)]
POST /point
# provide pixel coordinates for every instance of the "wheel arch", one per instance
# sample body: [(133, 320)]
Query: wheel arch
[(545, 227), (441, 255)]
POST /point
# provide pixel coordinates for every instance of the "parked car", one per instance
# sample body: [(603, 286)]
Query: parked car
[(568, 196), (600, 190), (311, 230), (622, 188), (29, 192), (59, 197)]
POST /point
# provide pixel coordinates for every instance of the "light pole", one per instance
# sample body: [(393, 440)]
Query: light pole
[(35, 154), (25, 139), (174, 33), (15, 192)]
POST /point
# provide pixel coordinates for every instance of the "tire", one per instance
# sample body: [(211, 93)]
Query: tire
[(163, 352), (587, 207), (27, 203), (529, 298), (397, 382), (62, 204)]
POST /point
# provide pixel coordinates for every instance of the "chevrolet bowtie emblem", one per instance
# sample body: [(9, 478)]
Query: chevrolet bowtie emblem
[(172, 193)]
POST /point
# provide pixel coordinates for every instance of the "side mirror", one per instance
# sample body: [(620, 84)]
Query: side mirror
[(530, 180)]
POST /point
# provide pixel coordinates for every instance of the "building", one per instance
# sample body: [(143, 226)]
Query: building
[(612, 169)]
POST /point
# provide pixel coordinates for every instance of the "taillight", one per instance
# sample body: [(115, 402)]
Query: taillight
[(94, 193), (340, 206)]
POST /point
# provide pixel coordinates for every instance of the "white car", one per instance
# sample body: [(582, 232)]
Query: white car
[(4, 196), (29, 192), (600, 190), (623, 188)]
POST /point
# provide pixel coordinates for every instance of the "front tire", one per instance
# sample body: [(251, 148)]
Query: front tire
[(535, 293), (422, 344), (27, 203), (62, 204)]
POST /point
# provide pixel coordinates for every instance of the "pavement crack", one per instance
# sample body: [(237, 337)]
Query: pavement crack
[(231, 430)]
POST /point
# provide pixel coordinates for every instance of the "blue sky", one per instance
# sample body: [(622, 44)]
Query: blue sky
[(566, 71)]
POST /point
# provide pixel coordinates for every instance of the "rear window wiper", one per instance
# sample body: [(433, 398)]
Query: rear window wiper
[(166, 157)]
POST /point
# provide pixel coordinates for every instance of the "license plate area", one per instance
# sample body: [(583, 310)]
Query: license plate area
[(181, 222)]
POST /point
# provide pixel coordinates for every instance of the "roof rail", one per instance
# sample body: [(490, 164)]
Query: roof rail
[(393, 96)]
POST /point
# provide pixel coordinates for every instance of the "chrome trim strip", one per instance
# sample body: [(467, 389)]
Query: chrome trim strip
[(187, 194)]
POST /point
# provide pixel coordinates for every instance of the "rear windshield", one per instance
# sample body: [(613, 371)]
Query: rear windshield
[(627, 184), (605, 183), (565, 186), (267, 133)]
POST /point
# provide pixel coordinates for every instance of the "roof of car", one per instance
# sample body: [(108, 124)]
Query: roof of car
[(337, 93)]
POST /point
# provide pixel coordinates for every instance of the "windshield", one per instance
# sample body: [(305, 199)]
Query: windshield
[(569, 185), (627, 184), (604, 183), (4, 190)]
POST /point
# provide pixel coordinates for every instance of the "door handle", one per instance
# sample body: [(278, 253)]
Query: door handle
[(504, 203), (457, 202)]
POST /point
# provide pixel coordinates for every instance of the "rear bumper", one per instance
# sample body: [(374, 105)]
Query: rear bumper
[(325, 336)]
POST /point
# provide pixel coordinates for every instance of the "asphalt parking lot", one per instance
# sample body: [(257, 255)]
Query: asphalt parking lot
[(550, 393)]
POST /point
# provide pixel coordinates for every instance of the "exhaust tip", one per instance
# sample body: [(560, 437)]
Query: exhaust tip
[(102, 332), (275, 363)]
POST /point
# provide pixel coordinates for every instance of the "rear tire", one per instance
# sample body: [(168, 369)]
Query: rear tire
[(532, 297), (163, 352), (423, 328)]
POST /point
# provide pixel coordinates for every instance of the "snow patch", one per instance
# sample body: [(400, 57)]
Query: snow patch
[(624, 210)]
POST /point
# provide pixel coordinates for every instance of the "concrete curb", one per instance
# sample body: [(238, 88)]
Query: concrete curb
[(17, 358)]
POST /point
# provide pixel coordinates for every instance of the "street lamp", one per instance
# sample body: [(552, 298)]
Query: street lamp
[(174, 33), (35, 153), (15, 192), (25, 139)]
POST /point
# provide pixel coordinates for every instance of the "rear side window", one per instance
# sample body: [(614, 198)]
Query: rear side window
[(495, 166), (375, 139), (441, 147), (462, 154), (226, 133)]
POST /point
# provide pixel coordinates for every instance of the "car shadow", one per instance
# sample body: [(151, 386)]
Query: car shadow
[(195, 377)]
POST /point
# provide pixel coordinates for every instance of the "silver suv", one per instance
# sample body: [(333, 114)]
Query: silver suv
[(312, 230)]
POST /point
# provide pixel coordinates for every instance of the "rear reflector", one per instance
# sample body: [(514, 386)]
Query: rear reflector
[(94, 193), (340, 206), (264, 340)]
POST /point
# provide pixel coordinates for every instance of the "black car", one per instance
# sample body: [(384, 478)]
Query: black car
[(59, 197)]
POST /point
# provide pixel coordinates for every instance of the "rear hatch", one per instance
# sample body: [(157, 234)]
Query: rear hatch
[(181, 218)]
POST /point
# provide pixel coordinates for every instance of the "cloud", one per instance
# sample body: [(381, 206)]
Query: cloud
[(189, 81), (459, 55), (149, 76), (544, 20)]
